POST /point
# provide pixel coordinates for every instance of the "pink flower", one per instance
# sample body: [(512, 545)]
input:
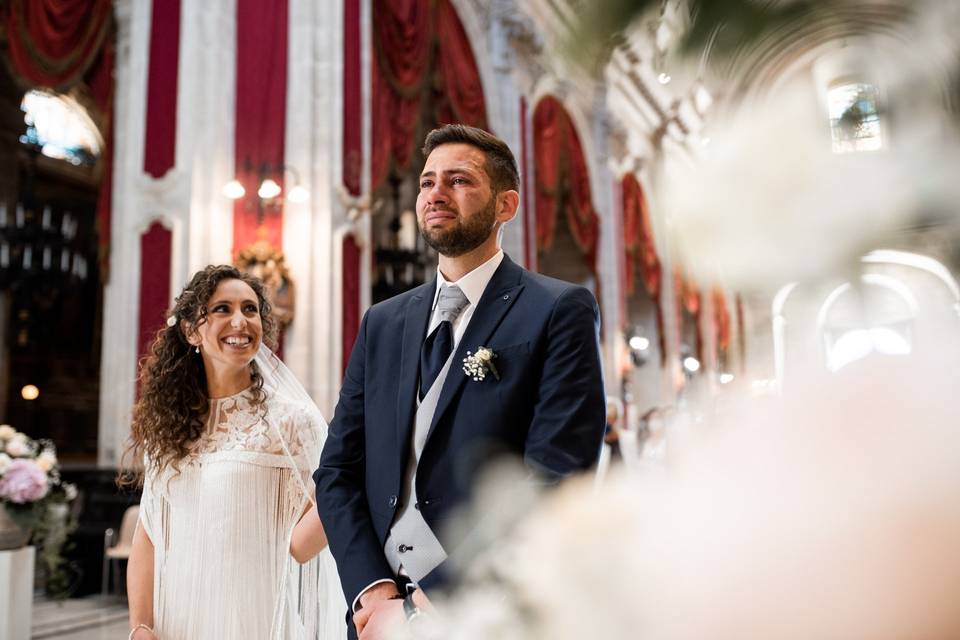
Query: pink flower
[(23, 482)]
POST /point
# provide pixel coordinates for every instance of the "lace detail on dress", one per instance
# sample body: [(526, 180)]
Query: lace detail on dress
[(235, 424)]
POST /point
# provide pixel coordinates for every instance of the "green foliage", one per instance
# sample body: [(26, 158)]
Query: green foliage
[(51, 524)]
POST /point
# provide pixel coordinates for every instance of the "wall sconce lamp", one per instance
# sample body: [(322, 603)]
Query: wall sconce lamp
[(639, 346), (269, 193)]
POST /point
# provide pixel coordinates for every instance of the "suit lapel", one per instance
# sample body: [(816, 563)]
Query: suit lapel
[(500, 294), (416, 317)]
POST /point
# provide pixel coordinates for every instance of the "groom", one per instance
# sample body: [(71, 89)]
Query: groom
[(487, 359)]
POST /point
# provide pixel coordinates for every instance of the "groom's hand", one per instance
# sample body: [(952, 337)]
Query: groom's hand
[(378, 596)]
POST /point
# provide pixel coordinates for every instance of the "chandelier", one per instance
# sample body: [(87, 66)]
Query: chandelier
[(40, 244)]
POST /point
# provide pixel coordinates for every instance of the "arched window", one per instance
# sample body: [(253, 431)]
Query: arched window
[(59, 127), (854, 117)]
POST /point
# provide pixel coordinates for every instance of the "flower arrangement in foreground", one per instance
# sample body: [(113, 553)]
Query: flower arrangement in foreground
[(36, 499)]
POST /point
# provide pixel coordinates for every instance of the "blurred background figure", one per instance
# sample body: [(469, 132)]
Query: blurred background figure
[(611, 452)]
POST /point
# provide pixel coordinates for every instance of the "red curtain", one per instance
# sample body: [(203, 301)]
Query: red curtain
[(53, 43), (352, 99), (688, 299), (562, 181), (261, 104), (350, 274), (57, 44), (160, 132), (423, 73), (721, 319), (156, 251), (459, 92), (641, 251), (741, 334)]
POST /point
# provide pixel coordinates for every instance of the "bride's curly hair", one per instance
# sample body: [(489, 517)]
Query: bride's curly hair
[(169, 415)]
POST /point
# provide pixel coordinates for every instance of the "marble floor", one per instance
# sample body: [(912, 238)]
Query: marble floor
[(91, 618)]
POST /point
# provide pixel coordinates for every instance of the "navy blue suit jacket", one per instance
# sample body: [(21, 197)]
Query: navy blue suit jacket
[(547, 407)]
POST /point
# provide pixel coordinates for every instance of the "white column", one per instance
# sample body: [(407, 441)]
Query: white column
[(313, 147), (187, 200), (606, 200), (121, 293), (206, 105), (502, 96), (16, 593), (672, 373)]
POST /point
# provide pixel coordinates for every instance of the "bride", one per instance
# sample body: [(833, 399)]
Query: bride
[(229, 539)]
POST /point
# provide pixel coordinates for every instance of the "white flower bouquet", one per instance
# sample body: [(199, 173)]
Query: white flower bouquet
[(33, 497)]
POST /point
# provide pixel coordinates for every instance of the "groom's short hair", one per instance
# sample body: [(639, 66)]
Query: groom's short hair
[(501, 166)]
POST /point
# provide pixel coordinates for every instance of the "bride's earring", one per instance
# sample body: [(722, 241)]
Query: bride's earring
[(198, 349)]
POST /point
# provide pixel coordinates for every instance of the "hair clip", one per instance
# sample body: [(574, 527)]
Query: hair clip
[(172, 320)]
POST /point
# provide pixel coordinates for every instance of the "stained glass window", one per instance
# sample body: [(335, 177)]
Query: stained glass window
[(854, 117)]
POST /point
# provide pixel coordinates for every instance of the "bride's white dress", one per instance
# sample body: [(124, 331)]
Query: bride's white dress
[(221, 527)]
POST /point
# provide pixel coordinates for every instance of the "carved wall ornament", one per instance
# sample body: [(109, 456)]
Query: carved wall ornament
[(269, 264), (357, 206)]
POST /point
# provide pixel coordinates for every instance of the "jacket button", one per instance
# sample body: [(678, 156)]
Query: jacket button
[(392, 501)]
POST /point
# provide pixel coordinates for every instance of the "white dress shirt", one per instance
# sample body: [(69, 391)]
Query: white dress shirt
[(473, 285)]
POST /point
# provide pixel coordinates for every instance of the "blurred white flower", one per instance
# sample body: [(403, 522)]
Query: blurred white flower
[(18, 446), (4, 463), (70, 490), (47, 460), (811, 515), (6, 432), (769, 202)]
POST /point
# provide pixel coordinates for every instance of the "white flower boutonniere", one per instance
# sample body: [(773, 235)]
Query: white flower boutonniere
[(476, 365)]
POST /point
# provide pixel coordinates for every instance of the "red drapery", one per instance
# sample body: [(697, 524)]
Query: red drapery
[(741, 335), (351, 295), (458, 95), (721, 319), (562, 180), (160, 132), (57, 44), (423, 73), (156, 247), (352, 99), (641, 251), (688, 298), (53, 43), (260, 117)]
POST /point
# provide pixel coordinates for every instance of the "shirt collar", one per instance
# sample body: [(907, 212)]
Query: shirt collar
[(473, 283)]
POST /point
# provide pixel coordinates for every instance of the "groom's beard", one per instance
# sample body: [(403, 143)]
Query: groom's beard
[(468, 234)]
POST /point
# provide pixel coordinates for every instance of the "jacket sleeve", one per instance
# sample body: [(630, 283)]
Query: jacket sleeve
[(569, 412), (340, 481)]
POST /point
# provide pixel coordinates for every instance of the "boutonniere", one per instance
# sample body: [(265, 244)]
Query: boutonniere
[(476, 365)]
